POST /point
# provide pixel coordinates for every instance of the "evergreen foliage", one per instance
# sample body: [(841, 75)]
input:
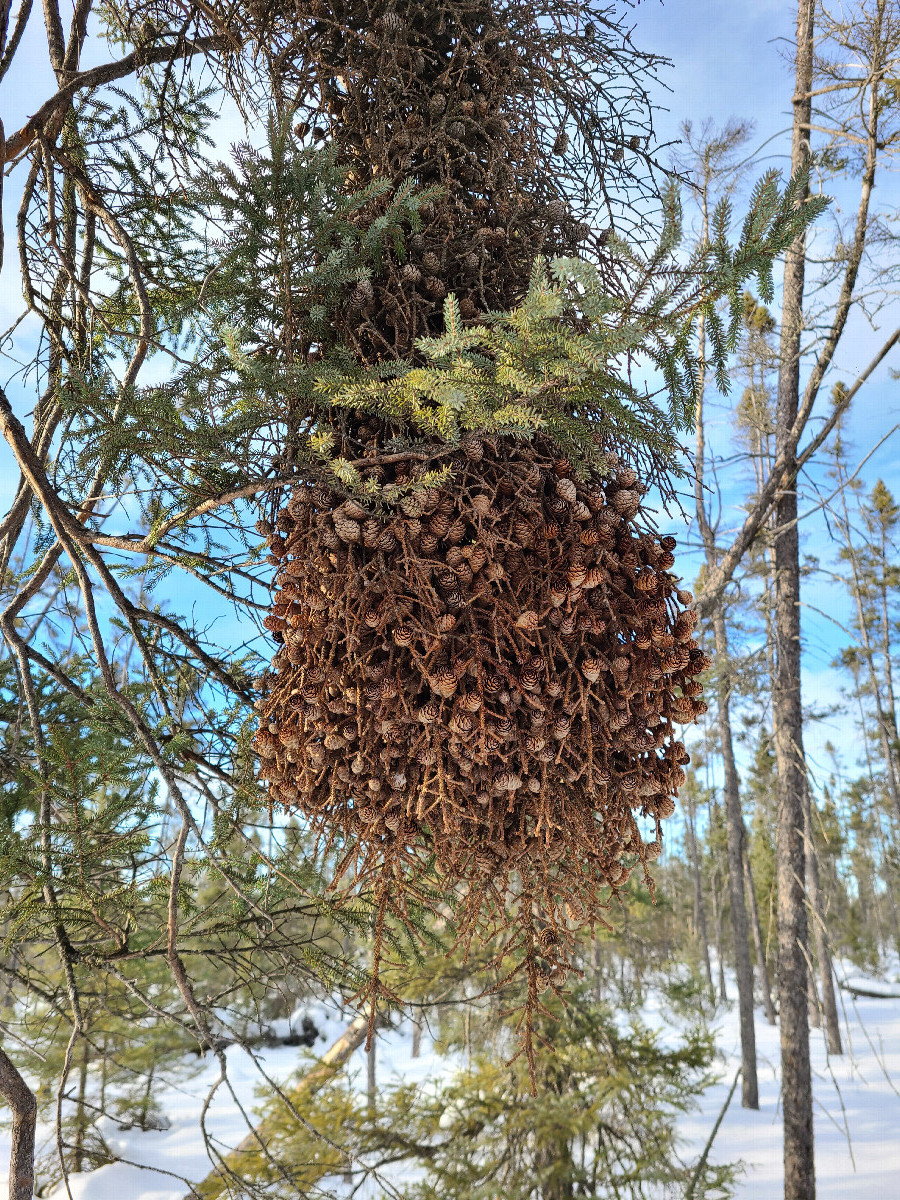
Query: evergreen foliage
[(562, 361), (294, 236), (243, 269), (602, 1123)]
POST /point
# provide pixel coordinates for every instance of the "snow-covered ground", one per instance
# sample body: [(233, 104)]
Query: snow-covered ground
[(857, 1109), (857, 1103)]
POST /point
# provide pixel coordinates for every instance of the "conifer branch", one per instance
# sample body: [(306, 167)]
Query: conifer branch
[(41, 123)]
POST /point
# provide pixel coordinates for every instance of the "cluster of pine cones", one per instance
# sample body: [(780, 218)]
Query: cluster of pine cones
[(440, 94), (491, 674)]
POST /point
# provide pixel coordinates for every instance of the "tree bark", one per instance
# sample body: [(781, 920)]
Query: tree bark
[(720, 936), (734, 828), (812, 995), (762, 970), (370, 1078), (80, 1113), (699, 909), (17, 1094), (820, 937), (799, 1162)]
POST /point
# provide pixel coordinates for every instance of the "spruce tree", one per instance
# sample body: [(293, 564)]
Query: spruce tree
[(470, 672)]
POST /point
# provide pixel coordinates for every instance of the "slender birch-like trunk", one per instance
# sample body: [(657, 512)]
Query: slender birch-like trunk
[(797, 1101)]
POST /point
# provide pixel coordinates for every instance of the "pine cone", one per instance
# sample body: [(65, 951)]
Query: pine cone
[(547, 939), (567, 490), (530, 679), (561, 727), (444, 681), (528, 620), (592, 669), (362, 294), (346, 530)]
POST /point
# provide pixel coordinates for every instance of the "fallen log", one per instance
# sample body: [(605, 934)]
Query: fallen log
[(855, 990), (216, 1183)]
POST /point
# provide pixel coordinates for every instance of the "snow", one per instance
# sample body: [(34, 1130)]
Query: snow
[(857, 1099), (857, 1103)]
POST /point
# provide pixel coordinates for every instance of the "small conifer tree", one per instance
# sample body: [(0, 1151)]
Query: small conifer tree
[(483, 648)]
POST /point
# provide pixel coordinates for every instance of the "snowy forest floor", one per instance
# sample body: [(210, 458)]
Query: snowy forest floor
[(857, 1115)]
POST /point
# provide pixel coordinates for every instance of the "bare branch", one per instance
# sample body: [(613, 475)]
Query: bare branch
[(95, 76)]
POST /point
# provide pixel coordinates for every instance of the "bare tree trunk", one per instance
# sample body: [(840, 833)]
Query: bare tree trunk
[(799, 1162), (734, 827), (145, 1105), (885, 712), (417, 1038), (734, 821), (595, 970), (870, 769), (812, 994), (370, 1071), (370, 1078), (761, 968), (21, 1100), (699, 909), (820, 937), (720, 935), (80, 1115)]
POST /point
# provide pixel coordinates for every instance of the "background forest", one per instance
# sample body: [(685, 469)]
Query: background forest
[(188, 970)]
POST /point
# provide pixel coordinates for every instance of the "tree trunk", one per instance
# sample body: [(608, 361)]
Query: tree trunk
[(720, 936), (23, 1103), (80, 1114), (799, 1163), (145, 1105), (885, 712), (734, 827), (699, 910), (762, 970), (820, 937), (417, 1038), (370, 1078), (812, 995), (595, 970)]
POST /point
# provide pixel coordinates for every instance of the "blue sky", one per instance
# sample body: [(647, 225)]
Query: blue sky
[(729, 60), (732, 60)]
